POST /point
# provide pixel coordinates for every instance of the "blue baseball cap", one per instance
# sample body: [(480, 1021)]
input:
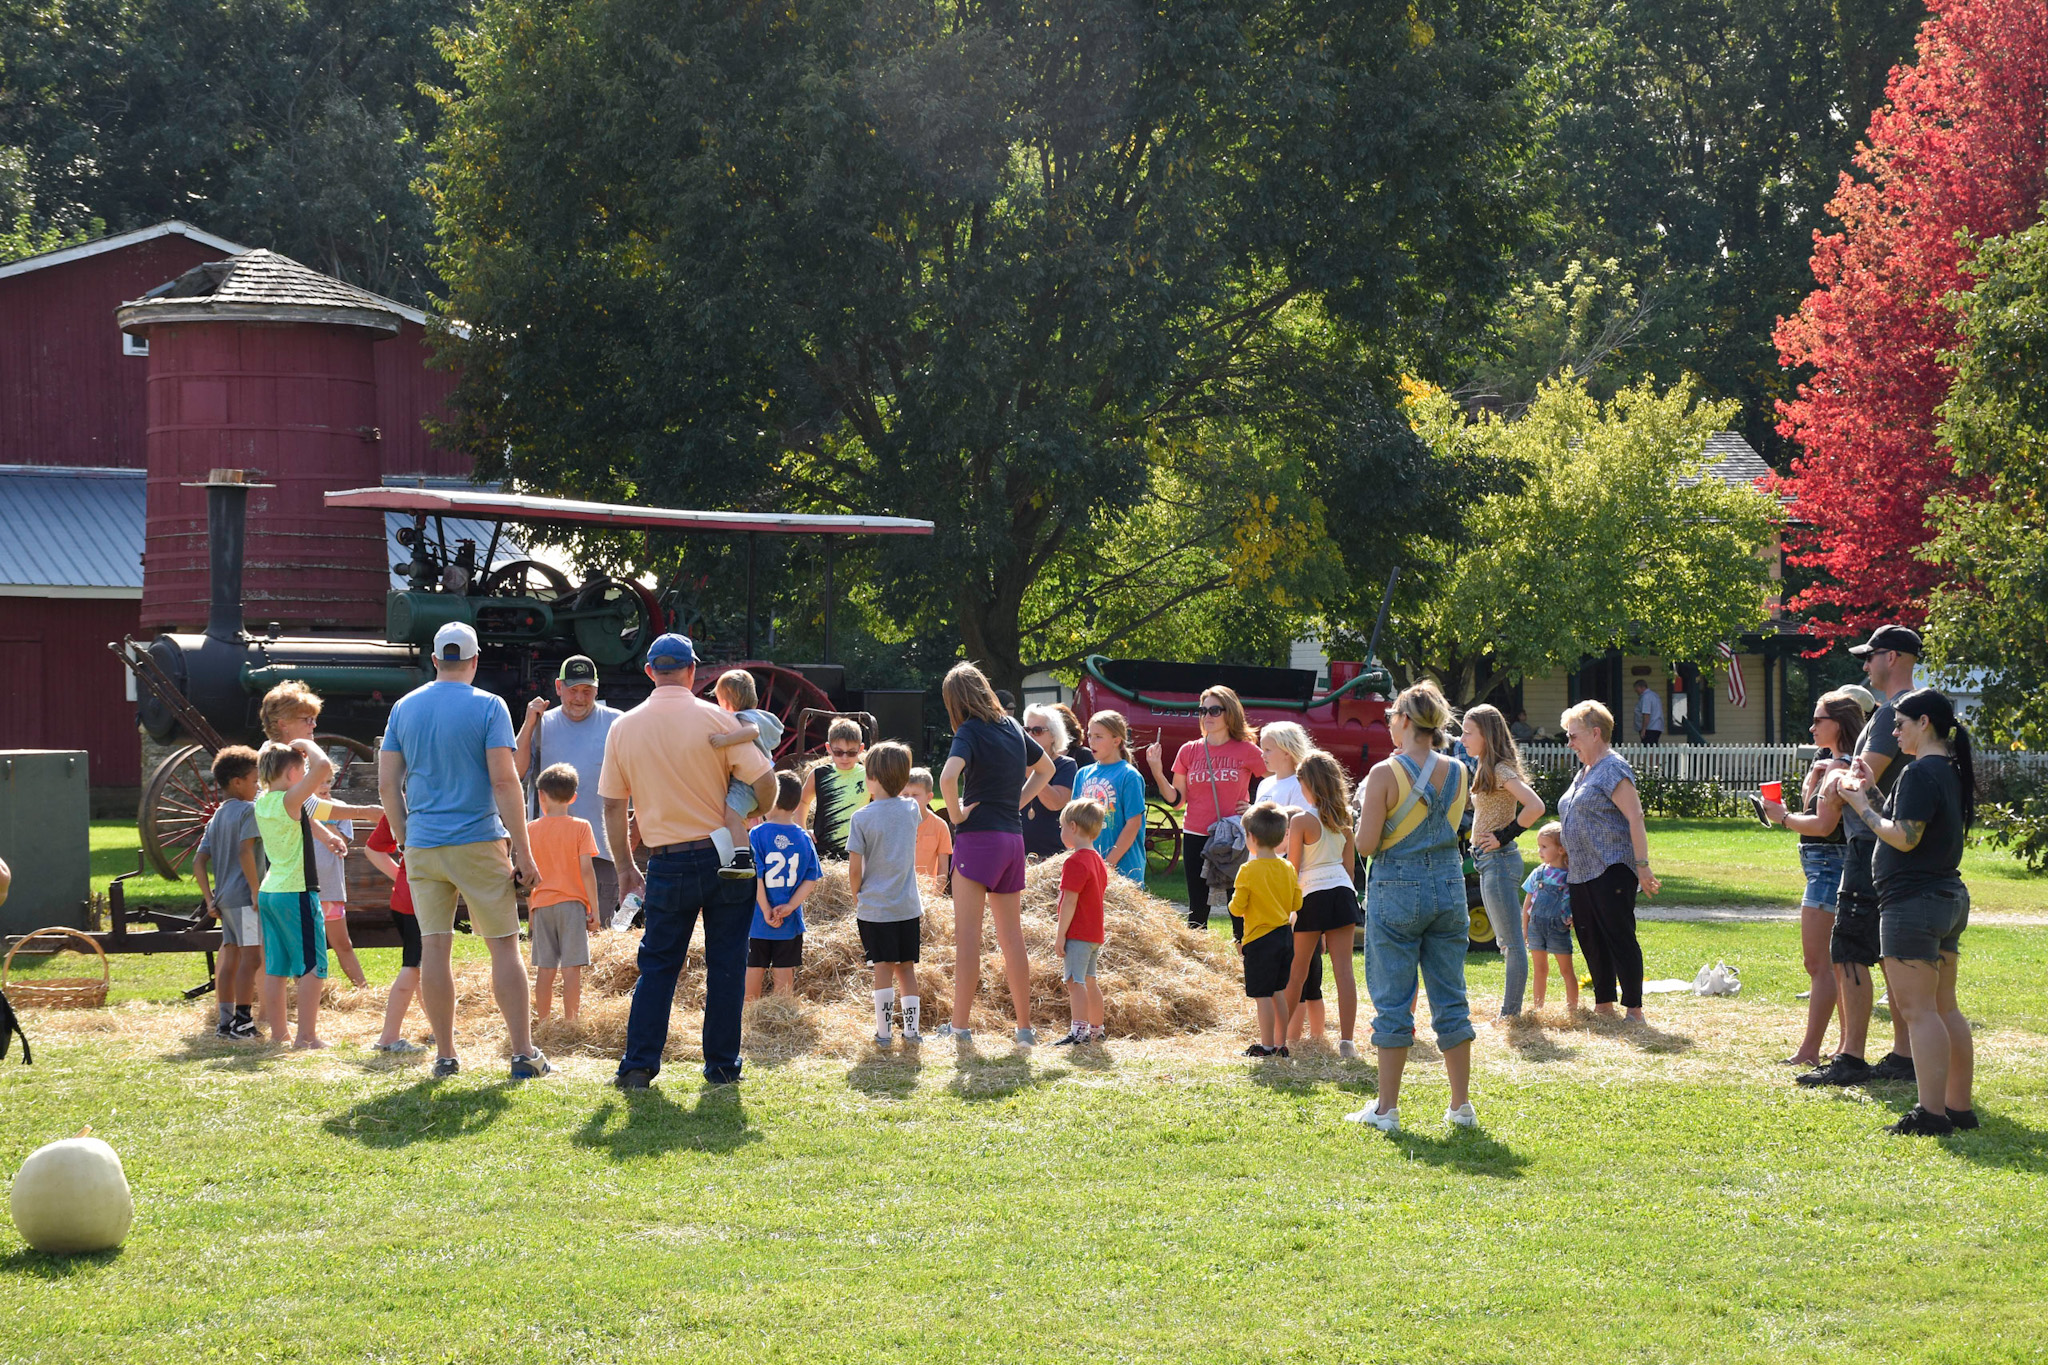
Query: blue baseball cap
[(671, 652)]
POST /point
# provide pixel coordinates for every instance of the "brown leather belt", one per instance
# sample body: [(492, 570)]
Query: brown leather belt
[(686, 846)]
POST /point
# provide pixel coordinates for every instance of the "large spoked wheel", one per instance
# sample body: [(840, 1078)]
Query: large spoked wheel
[(180, 798), (615, 620), (1162, 837), (526, 578), (785, 694)]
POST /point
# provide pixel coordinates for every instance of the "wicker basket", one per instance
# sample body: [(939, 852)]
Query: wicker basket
[(57, 993)]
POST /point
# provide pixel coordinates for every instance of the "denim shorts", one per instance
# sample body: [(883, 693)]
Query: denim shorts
[(1823, 866), (1923, 925), (1080, 963), (1548, 935), (1416, 918)]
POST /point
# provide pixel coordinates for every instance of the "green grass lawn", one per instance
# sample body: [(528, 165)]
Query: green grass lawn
[(1655, 1196)]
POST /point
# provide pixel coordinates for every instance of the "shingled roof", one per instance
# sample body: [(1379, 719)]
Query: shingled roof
[(1731, 460), (260, 286)]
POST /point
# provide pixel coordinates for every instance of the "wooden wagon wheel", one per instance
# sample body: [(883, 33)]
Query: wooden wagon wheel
[(785, 694), (1162, 837), (180, 798)]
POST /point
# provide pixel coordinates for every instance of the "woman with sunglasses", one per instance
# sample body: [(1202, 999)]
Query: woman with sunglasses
[(1042, 813), (1608, 856), (1922, 904), (1214, 775), (1823, 847), (993, 771)]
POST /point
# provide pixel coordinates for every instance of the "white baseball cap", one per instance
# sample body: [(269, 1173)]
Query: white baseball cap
[(455, 641)]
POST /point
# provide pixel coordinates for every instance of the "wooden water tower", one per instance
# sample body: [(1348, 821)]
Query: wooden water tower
[(259, 364)]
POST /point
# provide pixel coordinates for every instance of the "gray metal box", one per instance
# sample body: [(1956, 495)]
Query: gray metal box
[(45, 837)]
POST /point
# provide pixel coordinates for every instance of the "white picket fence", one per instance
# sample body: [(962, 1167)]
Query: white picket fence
[(1734, 765)]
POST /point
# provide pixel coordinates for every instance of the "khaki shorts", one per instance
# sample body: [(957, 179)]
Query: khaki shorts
[(481, 873)]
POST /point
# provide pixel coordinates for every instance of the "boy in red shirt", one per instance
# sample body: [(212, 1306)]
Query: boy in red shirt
[(1082, 882), (387, 857)]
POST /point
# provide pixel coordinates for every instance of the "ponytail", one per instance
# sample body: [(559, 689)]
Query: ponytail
[(1966, 771)]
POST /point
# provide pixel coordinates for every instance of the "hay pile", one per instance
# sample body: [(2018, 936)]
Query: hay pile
[(1159, 978)]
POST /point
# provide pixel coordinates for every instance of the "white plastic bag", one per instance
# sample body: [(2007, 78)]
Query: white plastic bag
[(1719, 979)]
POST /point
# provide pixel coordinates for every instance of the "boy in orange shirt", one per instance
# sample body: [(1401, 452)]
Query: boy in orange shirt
[(934, 835), (562, 911)]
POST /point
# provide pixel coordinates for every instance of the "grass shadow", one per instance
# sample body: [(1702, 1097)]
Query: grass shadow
[(1088, 1057), (2002, 1142), (647, 1123), (425, 1111), (885, 1076), (1535, 1044), (47, 1266), (218, 1054), (1470, 1150), (976, 1077), (1288, 1075), (1645, 1035)]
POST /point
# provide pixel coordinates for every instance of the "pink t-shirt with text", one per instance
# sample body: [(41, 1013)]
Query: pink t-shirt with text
[(1234, 765)]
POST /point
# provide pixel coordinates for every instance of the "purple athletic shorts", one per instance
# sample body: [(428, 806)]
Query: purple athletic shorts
[(991, 857)]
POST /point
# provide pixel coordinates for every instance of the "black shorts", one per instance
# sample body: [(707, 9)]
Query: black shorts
[(1268, 961), (891, 941), (408, 940), (1334, 907), (776, 952), (1855, 938)]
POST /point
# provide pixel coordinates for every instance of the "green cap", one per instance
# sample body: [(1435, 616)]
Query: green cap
[(577, 668)]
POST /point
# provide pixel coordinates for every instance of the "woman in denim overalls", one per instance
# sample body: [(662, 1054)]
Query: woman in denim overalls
[(1415, 914)]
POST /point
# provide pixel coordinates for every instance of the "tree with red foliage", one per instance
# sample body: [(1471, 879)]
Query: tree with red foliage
[(1957, 152)]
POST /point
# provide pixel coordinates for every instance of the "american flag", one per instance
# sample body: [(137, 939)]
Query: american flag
[(1738, 695)]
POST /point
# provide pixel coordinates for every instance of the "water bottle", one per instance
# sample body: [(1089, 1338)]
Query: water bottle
[(629, 909)]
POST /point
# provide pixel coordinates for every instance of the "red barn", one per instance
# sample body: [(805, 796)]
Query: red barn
[(74, 417)]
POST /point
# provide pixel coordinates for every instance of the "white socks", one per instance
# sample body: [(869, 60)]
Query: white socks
[(883, 1001), (913, 1006)]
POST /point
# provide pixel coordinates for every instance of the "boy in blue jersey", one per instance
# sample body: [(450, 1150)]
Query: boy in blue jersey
[(786, 872)]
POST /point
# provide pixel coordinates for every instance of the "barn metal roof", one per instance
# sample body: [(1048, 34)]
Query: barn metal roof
[(43, 260), (522, 507), (71, 532), (1732, 460)]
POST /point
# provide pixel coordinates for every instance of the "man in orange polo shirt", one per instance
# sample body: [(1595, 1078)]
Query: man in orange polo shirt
[(659, 757)]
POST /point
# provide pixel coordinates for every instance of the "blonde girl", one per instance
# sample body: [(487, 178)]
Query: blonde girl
[(993, 770), (1320, 845), (1503, 805)]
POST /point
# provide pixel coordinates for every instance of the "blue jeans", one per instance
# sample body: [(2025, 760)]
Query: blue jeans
[(1500, 886), (1415, 916), (679, 886)]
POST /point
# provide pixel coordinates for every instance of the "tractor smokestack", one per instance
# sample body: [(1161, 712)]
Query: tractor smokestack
[(227, 507)]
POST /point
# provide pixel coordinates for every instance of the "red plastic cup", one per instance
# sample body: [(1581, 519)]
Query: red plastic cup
[(1772, 791)]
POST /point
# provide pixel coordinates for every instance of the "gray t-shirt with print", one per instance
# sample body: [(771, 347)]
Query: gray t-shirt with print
[(884, 834), (1877, 738)]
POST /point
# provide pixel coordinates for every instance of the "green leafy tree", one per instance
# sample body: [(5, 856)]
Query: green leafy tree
[(300, 125), (1611, 534), (1015, 267), (1990, 610)]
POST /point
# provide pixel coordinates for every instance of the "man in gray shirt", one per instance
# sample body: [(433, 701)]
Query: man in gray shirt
[(1888, 659), (881, 852), (573, 733)]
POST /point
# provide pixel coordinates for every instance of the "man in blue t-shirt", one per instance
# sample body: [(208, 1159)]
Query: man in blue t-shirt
[(786, 872), (452, 798)]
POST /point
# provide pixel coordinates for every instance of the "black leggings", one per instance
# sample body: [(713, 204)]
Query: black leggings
[(408, 940), (1191, 846), (1604, 914)]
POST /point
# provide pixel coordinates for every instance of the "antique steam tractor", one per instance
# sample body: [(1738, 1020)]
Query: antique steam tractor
[(206, 688)]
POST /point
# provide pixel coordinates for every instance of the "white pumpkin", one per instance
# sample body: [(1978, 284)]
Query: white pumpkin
[(72, 1196)]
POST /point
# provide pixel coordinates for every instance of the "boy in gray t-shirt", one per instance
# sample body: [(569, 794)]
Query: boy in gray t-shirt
[(229, 853), (881, 852)]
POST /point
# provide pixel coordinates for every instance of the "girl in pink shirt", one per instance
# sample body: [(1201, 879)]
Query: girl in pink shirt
[(1214, 775)]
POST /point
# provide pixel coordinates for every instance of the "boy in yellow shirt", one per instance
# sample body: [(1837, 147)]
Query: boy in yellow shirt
[(1265, 898)]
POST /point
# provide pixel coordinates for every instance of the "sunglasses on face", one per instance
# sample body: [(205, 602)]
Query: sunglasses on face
[(844, 753), (1035, 730), (1208, 710)]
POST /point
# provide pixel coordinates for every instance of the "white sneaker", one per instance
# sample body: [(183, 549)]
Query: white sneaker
[(1463, 1116), (1389, 1122), (1347, 1048)]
